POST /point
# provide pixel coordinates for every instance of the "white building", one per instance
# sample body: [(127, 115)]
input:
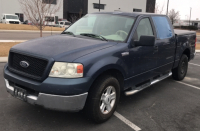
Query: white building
[(117, 5), (82, 7), (13, 7)]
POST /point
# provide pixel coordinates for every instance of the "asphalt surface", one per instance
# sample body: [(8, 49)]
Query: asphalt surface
[(23, 35), (165, 106)]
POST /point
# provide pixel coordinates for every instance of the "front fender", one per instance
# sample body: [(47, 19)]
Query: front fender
[(105, 64)]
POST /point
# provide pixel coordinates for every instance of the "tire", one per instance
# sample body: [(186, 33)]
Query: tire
[(180, 72), (97, 105)]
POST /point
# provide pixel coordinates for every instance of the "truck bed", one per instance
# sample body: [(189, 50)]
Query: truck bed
[(183, 32)]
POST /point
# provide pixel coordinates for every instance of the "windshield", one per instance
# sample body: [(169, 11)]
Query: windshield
[(111, 27), (11, 17)]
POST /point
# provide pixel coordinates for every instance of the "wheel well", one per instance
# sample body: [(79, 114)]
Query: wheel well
[(187, 53), (115, 73)]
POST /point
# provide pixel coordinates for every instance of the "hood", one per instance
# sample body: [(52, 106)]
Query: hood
[(61, 47)]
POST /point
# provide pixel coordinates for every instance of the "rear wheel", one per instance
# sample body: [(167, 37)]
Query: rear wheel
[(103, 98), (180, 72)]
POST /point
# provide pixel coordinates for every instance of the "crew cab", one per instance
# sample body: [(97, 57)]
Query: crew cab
[(10, 19), (95, 59)]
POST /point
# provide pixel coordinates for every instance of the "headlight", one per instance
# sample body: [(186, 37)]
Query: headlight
[(66, 70)]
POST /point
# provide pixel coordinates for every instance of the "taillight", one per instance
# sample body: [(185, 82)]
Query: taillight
[(195, 42)]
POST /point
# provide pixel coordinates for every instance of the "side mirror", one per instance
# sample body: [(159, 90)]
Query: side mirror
[(145, 41), (3, 18)]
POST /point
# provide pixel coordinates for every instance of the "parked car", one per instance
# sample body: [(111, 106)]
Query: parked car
[(62, 19), (10, 19), (63, 24), (27, 22), (50, 19), (96, 58)]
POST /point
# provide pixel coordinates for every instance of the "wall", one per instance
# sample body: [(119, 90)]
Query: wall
[(150, 6), (13, 6), (112, 5), (74, 7)]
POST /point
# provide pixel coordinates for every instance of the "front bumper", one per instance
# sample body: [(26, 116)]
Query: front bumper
[(54, 86), (54, 102)]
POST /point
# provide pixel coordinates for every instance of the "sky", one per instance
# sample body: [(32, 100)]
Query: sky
[(183, 6)]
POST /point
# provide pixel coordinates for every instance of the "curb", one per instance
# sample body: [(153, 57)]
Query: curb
[(13, 40), (27, 31), (3, 59)]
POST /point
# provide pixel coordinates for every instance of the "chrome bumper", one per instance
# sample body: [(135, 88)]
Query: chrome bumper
[(54, 102)]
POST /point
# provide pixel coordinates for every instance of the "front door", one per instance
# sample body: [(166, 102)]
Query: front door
[(143, 58)]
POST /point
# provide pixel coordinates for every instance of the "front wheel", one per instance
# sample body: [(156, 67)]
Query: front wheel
[(103, 98), (180, 72)]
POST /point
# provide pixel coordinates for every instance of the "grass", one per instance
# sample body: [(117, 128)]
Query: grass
[(27, 27), (5, 47)]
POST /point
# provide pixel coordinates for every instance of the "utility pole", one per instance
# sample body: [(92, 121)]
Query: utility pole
[(99, 5), (190, 15), (167, 7)]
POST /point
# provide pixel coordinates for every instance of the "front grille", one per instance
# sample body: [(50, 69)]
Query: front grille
[(35, 69), (13, 22)]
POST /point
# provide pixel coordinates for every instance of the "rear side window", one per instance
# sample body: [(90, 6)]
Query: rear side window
[(162, 27)]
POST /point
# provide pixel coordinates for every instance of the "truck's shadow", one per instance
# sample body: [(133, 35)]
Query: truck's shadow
[(48, 119)]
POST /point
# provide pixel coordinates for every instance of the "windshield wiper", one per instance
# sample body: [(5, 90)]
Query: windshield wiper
[(69, 33), (94, 35)]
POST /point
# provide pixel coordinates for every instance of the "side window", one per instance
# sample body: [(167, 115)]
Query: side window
[(144, 28), (162, 27)]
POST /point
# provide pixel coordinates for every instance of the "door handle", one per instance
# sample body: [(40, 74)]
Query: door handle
[(168, 43), (156, 48)]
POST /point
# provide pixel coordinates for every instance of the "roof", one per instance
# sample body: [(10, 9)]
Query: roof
[(134, 14), (8, 14)]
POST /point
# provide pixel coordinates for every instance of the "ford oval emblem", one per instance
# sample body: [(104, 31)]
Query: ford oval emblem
[(24, 64)]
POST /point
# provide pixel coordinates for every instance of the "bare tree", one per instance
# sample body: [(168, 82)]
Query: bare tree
[(39, 12), (73, 18), (173, 15), (159, 9)]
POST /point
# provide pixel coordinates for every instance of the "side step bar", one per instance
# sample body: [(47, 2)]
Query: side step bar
[(142, 87)]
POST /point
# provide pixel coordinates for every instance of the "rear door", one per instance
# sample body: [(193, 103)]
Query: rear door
[(165, 43)]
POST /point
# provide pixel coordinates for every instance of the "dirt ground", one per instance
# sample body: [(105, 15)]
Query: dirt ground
[(198, 47), (27, 27), (5, 47)]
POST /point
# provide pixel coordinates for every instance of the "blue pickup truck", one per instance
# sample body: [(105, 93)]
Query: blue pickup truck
[(95, 59)]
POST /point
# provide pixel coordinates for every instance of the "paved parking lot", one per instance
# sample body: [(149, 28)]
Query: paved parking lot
[(165, 106), (24, 35)]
